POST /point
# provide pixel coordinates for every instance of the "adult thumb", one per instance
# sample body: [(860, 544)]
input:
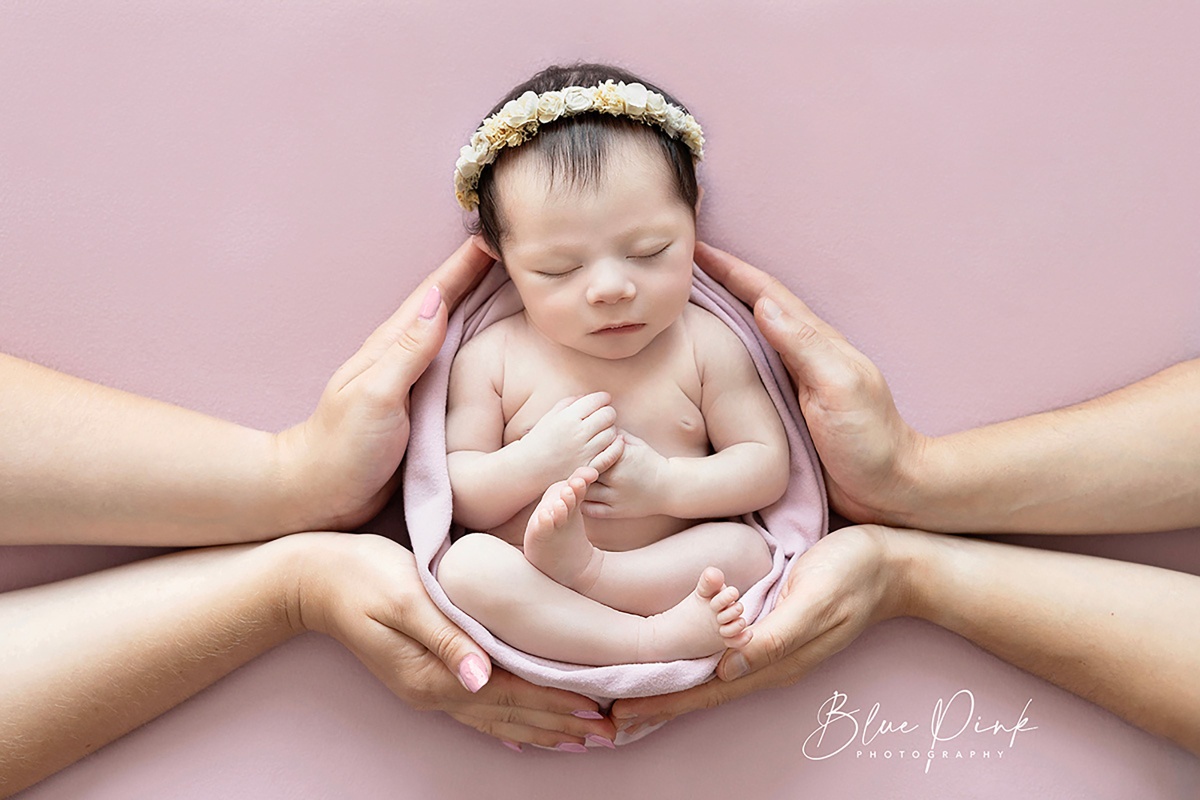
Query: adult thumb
[(810, 356), (784, 629)]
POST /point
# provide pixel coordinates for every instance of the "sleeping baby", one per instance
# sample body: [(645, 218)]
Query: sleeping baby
[(600, 439)]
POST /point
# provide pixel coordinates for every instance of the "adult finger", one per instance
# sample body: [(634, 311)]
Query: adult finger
[(509, 690), (456, 276), (752, 285), (516, 734), (812, 358), (563, 725), (391, 377), (424, 622)]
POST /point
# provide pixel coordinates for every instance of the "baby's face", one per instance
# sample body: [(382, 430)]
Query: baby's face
[(601, 270)]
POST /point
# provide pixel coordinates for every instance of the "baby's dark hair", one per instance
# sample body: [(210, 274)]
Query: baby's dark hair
[(575, 148)]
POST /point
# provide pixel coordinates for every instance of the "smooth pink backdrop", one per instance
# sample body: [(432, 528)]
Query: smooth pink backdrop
[(214, 204)]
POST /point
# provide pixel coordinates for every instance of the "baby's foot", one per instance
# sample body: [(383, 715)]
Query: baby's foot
[(705, 622), (555, 541)]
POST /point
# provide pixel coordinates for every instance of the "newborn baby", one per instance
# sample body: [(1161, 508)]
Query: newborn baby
[(642, 414)]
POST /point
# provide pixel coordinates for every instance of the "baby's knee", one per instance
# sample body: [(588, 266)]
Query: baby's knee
[(474, 563), (749, 556)]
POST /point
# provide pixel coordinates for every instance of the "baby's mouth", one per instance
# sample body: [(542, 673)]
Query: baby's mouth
[(625, 327)]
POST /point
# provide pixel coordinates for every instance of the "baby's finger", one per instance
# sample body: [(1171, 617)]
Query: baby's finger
[(589, 404), (598, 510), (607, 458)]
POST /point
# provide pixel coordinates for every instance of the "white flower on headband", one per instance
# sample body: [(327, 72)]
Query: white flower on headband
[(518, 121)]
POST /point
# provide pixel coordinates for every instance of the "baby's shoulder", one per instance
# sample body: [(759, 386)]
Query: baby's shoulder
[(490, 341), (711, 338), (483, 354)]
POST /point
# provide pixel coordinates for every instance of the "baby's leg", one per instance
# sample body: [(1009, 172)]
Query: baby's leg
[(654, 577), (645, 581), (493, 582)]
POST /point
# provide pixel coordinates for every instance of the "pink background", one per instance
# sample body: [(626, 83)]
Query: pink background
[(213, 205)]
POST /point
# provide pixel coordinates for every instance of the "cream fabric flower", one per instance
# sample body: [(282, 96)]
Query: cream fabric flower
[(519, 119)]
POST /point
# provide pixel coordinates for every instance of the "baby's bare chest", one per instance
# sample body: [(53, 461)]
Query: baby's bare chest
[(657, 400)]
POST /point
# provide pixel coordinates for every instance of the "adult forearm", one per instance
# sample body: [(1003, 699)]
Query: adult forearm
[(1118, 634), (1127, 461), (84, 463), (89, 659)]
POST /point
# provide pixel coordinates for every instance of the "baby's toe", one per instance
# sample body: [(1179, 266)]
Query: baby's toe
[(711, 583)]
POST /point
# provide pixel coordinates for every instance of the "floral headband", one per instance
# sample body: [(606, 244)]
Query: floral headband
[(518, 121)]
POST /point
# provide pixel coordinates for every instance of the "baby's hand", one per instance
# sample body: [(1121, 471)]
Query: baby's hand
[(576, 432), (633, 487)]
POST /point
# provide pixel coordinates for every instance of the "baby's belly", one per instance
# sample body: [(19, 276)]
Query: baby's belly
[(607, 534)]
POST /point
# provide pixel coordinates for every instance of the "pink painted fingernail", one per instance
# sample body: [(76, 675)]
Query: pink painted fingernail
[(587, 714), (472, 673), (571, 747), (600, 741), (516, 748), (433, 299)]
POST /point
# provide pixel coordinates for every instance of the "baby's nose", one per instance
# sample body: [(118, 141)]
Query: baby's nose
[(610, 284)]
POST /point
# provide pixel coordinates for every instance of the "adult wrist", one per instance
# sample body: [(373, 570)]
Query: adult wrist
[(918, 486), (921, 564)]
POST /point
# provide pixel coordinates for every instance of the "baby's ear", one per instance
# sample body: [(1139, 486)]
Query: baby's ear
[(699, 198)]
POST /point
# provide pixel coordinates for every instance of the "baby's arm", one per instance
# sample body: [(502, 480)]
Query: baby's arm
[(750, 465), (491, 481), (749, 469)]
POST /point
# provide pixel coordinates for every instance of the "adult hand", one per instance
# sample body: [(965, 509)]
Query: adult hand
[(341, 462), (868, 452), (844, 583), (364, 591)]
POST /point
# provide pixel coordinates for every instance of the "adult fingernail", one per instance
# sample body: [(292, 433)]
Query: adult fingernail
[(770, 309), (622, 714), (600, 741), (433, 299), (587, 714), (736, 667), (571, 747), (472, 673), (516, 748)]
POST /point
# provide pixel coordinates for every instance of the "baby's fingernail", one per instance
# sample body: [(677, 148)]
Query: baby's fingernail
[(736, 667), (433, 299), (571, 747), (623, 714), (516, 748), (472, 674), (600, 741), (587, 714), (770, 309)]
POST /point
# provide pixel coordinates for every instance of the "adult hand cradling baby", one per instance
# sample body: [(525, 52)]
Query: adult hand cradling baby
[(1066, 471), (84, 464)]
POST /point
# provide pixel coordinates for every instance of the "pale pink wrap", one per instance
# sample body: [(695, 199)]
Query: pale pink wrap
[(789, 526)]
